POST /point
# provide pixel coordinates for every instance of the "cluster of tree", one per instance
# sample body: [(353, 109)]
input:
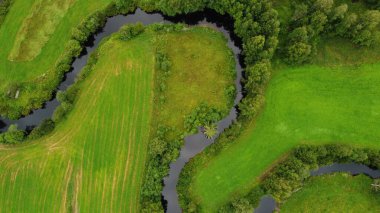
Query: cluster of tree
[(313, 17), (12, 135), (203, 115), (4, 8), (290, 174), (163, 149)]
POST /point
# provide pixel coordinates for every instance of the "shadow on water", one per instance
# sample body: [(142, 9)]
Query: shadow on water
[(113, 24), (268, 204), (194, 144)]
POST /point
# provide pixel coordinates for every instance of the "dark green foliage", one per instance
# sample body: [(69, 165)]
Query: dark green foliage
[(46, 127), (12, 136), (162, 151), (374, 4), (201, 116), (313, 18), (256, 23), (4, 8), (130, 31), (289, 175), (365, 30)]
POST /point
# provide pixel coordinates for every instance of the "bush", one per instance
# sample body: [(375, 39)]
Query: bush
[(46, 127), (130, 31), (12, 136), (202, 115)]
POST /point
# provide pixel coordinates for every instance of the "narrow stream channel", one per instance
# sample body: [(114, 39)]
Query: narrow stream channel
[(268, 204), (194, 144), (113, 24)]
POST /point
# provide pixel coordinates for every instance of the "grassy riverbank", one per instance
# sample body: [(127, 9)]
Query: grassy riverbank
[(333, 193), (32, 37), (310, 104), (95, 159)]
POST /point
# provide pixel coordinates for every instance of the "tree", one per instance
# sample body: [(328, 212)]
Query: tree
[(343, 29), (298, 53), (299, 34), (364, 31), (376, 185), (318, 21), (210, 130), (252, 49), (13, 135), (324, 6)]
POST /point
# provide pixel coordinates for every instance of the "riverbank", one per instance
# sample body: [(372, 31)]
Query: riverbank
[(95, 159)]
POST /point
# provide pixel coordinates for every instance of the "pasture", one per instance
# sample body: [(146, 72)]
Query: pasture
[(332, 193), (32, 38), (310, 104), (95, 159)]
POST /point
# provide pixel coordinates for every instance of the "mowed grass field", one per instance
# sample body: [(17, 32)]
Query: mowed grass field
[(306, 105), (334, 193), (94, 161), (32, 37)]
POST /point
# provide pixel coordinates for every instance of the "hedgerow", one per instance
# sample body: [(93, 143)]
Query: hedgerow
[(290, 174)]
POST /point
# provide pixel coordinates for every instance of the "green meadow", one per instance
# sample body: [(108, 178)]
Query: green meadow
[(95, 159), (332, 193), (32, 37), (311, 104)]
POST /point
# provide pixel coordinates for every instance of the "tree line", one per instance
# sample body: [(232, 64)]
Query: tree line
[(313, 18), (290, 174)]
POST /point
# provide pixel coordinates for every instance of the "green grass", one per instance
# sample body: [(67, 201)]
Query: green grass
[(334, 193), (309, 104), (199, 74), (94, 160), (33, 74), (36, 29)]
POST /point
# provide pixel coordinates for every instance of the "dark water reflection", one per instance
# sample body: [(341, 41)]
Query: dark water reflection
[(194, 144)]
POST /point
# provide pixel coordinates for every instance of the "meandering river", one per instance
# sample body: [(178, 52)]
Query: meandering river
[(194, 144)]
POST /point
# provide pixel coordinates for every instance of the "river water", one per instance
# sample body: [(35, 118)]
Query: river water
[(268, 204), (194, 144)]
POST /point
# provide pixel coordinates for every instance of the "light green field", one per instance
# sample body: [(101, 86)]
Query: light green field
[(310, 104), (334, 193), (36, 29), (42, 38), (94, 161)]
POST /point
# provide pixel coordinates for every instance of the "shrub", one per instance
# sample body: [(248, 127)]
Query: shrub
[(130, 31), (12, 136), (46, 127), (201, 116)]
